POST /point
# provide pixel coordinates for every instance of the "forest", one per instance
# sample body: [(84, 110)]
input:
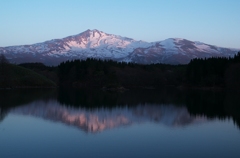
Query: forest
[(215, 72)]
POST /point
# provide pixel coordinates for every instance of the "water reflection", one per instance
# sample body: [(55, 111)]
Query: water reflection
[(100, 119), (95, 110)]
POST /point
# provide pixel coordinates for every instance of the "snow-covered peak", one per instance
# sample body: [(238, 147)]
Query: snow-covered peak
[(168, 44), (95, 39), (178, 39), (101, 45)]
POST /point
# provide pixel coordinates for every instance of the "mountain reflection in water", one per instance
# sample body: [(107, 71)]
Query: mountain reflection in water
[(101, 118), (136, 123), (95, 110)]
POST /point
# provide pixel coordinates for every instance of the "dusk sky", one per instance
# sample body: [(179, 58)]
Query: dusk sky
[(215, 22)]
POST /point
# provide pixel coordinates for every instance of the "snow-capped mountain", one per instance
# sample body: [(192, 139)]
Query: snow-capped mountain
[(100, 45), (178, 51)]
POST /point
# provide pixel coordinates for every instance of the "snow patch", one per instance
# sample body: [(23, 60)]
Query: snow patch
[(168, 44)]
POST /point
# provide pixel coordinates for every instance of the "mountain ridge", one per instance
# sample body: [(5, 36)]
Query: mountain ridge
[(101, 45)]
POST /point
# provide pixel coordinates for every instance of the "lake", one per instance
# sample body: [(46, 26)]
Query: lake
[(136, 123)]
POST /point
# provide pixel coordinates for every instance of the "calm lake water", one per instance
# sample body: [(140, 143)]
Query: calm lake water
[(136, 123)]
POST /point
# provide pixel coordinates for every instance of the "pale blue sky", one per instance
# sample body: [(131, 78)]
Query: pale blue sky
[(214, 22)]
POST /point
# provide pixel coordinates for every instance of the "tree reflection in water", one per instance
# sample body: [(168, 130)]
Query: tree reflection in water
[(95, 110)]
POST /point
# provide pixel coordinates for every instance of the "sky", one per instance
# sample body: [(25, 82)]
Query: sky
[(215, 22)]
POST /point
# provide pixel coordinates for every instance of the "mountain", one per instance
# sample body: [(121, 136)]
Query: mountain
[(178, 51), (100, 45)]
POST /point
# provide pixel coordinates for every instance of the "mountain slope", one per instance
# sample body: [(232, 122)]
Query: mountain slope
[(97, 44), (13, 76), (177, 51)]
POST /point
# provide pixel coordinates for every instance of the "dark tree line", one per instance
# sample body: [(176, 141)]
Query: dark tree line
[(94, 72), (215, 71), (3, 69), (80, 73), (208, 72)]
